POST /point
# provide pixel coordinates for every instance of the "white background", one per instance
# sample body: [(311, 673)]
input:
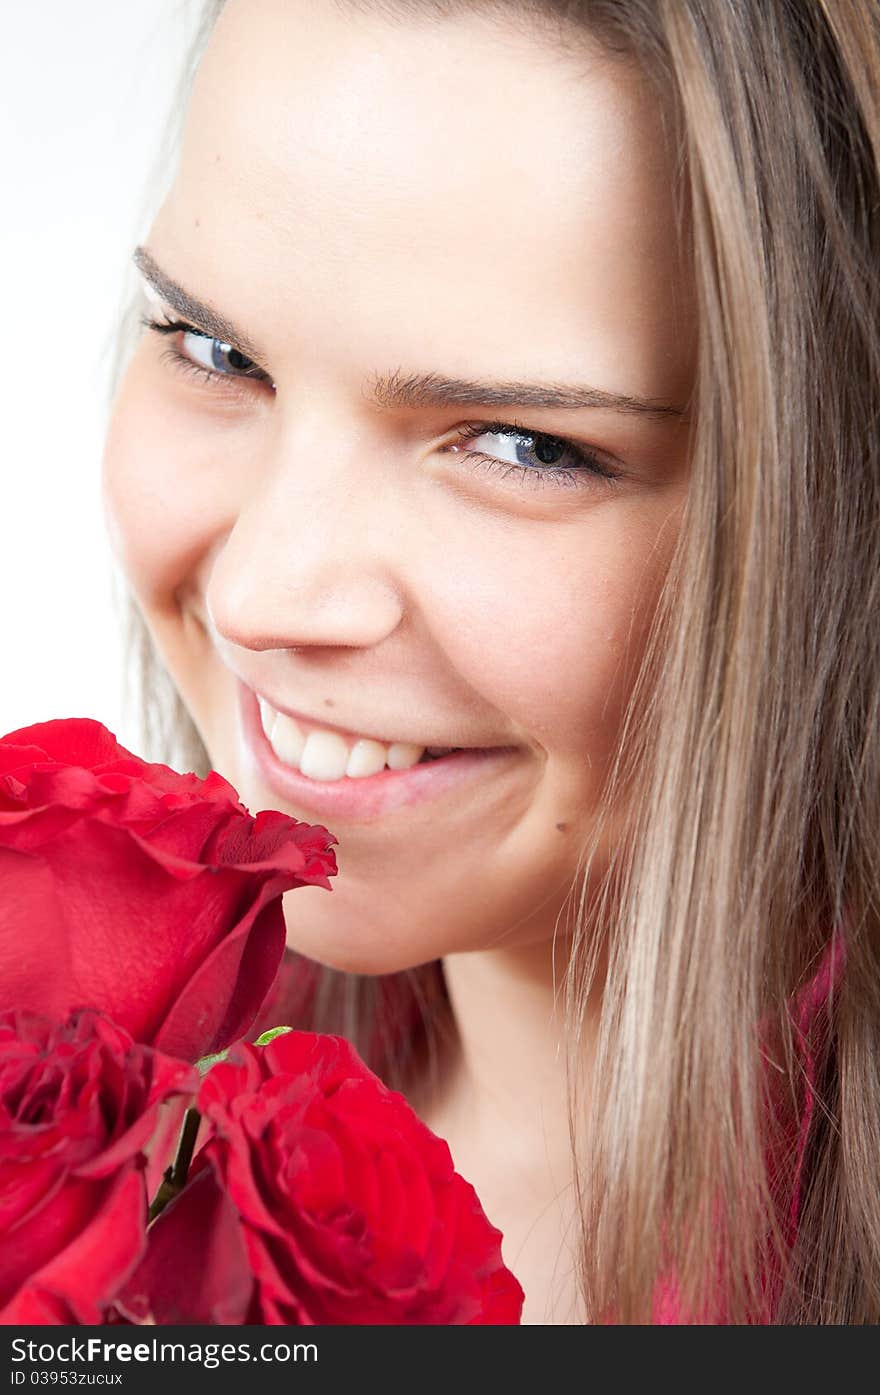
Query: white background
[(85, 92)]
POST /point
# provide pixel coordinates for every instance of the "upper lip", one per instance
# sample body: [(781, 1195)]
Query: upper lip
[(349, 732)]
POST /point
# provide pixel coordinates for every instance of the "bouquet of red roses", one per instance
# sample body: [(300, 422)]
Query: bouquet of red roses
[(141, 931)]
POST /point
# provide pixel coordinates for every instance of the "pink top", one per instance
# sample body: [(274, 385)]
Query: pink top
[(808, 1002)]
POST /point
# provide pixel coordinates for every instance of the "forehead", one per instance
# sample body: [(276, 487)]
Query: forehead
[(430, 175)]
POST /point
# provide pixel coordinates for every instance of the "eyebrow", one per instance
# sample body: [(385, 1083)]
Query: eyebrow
[(203, 316), (433, 390), (398, 390)]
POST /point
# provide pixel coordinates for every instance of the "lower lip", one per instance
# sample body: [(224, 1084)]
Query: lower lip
[(373, 795)]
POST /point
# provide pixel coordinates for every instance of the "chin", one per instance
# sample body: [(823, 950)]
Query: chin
[(338, 938)]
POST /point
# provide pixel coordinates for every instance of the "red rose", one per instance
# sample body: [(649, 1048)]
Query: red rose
[(77, 1105), (320, 1198), (152, 896)]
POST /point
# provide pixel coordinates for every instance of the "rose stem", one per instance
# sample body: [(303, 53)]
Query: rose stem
[(174, 1179)]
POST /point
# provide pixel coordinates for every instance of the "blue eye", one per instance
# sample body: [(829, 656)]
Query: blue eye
[(217, 353), (536, 456), (207, 357)]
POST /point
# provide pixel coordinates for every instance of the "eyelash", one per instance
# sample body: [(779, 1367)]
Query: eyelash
[(588, 462), (533, 475)]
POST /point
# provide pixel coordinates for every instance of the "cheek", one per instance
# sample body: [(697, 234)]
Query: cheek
[(543, 618), (163, 494)]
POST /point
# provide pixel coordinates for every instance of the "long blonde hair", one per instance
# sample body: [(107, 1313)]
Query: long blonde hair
[(749, 761)]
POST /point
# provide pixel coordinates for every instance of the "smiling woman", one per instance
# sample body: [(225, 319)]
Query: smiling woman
[(474, 496)]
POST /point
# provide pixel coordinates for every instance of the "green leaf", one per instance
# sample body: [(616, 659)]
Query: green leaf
[(272, 1033), (205, 1064)]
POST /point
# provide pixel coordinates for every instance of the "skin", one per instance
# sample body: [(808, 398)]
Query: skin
[(458, 197)]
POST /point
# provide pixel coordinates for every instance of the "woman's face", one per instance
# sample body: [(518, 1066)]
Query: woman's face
[(423, 498)]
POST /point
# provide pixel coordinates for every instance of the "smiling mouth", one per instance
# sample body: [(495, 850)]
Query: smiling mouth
[(368, 796), (325, 753)]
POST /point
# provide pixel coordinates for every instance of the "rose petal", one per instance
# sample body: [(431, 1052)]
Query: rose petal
[(84, 1277), (196, 1269)]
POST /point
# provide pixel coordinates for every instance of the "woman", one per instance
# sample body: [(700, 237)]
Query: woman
[(509, 388)]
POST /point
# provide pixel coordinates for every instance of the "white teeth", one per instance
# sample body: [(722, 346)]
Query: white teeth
[(324, 756), (402, 755), (267, 716), (367, 758), (287, 739)]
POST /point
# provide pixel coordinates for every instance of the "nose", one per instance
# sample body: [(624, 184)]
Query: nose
[(308, 560)]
